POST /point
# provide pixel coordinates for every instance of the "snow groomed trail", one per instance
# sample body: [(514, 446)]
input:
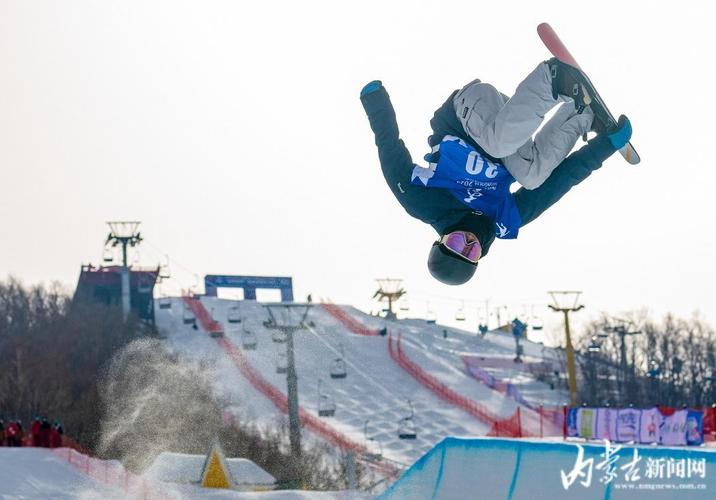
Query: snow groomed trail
[(375, 398), (523, 421), (278, 398), (308, 421)]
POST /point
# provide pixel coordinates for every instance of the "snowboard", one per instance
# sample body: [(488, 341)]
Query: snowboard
[(559, 50)]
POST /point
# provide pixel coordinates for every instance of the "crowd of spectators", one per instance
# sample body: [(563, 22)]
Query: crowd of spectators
[(41, 433)]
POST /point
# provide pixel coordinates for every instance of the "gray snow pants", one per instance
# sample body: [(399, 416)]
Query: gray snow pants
[(504, 127)]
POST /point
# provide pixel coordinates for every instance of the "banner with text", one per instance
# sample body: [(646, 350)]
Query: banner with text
[(665, 426)]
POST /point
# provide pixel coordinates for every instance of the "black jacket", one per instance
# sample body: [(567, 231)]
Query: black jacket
[(441, 209)]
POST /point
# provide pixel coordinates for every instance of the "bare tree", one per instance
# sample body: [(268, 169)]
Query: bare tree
[(671, 363), (52, 352)]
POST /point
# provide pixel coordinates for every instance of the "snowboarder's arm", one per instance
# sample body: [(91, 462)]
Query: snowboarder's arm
[(573, 170), (432, 206), (394, 156)]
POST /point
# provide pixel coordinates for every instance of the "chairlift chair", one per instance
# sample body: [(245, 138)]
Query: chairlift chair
[(338, 368), (594, 346), (460, 314), (406, 426), (282, 363), (278, 336), (404, 306), (536, 323), (234, 315), (164, 272), (188, 317), (107, 255), (406, 429), (248, 340), (430, 318), (326, 406), (374, 448), (165, 303)]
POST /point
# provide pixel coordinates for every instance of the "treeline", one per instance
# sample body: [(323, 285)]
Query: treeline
[(52, 353), (667, 363)]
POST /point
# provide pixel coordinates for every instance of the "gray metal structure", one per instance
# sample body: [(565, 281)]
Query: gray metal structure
[(292, 320), (124, 233)]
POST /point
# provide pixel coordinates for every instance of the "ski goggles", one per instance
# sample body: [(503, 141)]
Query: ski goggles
[(457, 242)]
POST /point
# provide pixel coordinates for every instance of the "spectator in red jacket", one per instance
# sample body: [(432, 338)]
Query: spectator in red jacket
[(35, 431), (45, 432), (14, 433), (56, 435), (2, 432)]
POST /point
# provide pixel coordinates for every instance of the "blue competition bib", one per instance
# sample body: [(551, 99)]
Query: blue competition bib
[(476, 181)]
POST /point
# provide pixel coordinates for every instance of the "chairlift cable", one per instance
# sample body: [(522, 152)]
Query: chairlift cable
[(356, 370)]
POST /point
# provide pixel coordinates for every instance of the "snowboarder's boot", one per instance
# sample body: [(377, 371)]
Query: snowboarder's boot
[(569, 82)]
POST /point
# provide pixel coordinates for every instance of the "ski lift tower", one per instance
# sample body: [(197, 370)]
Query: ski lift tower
[(390, 290), (288, 317), (566, 302), (124, 233), (622, 329)]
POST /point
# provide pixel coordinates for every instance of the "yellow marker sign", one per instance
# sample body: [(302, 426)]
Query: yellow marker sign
[(216, 474)]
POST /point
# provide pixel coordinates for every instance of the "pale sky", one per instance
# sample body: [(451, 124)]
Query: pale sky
[(234, 132)]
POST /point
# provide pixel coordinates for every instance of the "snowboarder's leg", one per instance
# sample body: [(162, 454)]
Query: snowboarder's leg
[(533, 163), (501, 125)]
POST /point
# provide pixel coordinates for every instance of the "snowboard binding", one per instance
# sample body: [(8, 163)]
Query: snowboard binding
[(568, 81)]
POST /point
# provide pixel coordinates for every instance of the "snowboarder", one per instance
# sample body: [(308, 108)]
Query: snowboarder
[(481, 144)]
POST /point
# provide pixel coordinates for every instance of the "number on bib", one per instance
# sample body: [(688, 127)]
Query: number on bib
[(473, 165), (491, 171)]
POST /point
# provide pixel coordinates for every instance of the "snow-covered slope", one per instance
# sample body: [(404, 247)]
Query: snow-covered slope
[(39, 473), (42, 474), (376, 395)]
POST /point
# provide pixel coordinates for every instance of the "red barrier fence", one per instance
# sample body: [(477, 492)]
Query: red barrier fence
[(208, 323), (507, 428), (348, 321), (524, 422), (111, 473)]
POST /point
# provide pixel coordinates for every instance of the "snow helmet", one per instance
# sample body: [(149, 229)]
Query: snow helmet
[(448, 267)]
